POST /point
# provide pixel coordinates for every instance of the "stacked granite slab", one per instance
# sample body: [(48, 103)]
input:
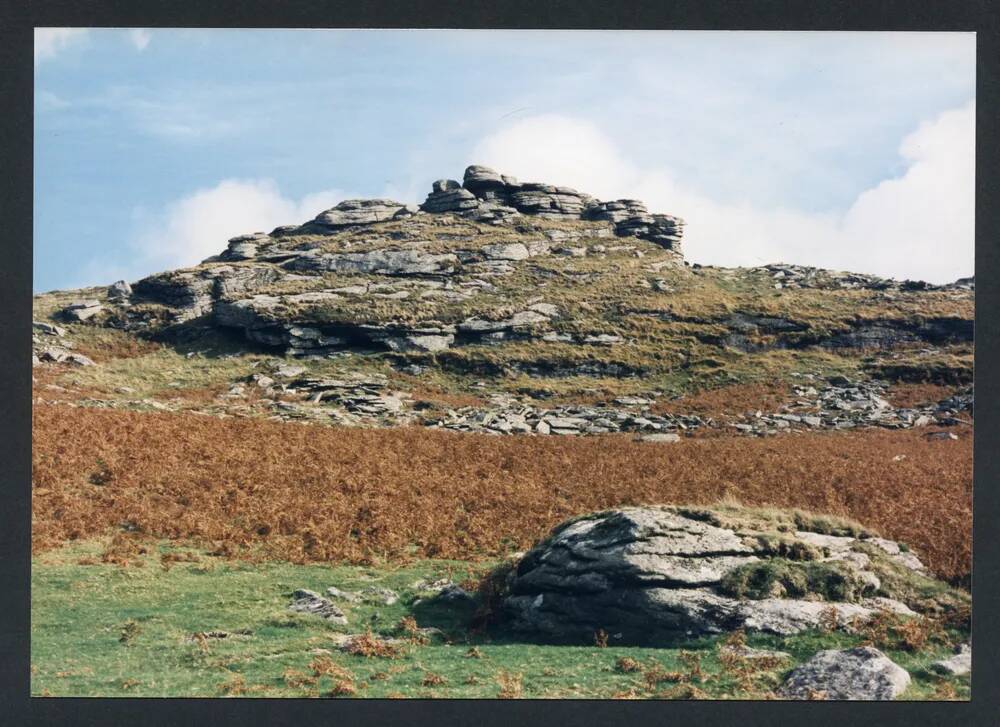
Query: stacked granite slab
[(486, 195)]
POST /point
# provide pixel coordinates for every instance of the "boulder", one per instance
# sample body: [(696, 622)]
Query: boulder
[(362, 212), (662, 437), (416, 338), (654, 574), (480, 180), (304, 601), (445, 185), (862, 673), (450, 200), (49, 328), (82, 310), (349, 596), (377, 262), (379, 595), (56, 354), (119, 291), (454, 593), (957, 665), (549, 201), (245, 247), (511, 251)]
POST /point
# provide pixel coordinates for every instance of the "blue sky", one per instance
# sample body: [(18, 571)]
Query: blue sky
[(846, 150)]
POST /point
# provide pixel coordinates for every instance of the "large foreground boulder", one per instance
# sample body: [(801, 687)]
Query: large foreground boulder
[(649, 574), (862, 673)]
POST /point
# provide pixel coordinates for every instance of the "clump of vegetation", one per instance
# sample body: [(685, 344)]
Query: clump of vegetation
[(627, 665), (774, 520), (369, 645), (887, 630), (130, 630), (780, 578), (656, 674), (511, 685), (601, 639), (927, 595), (432, 679), (234, 686)]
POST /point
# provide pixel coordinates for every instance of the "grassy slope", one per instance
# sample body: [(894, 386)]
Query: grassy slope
[(615, 292), (79, 613)]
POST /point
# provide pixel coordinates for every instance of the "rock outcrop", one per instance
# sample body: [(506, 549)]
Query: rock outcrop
[(486, 194), (377, 262), (558, 285), (304, 601), (651, 574), (352, 212), (82, 310), (862, 673)]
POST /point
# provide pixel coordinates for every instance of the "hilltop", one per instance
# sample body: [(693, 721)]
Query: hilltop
[(493, 296)]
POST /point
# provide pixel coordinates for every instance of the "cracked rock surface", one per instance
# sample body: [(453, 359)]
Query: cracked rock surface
[(646, 574), (862, 673)]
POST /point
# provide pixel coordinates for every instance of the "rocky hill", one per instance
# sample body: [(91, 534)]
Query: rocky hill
[(526, 307)]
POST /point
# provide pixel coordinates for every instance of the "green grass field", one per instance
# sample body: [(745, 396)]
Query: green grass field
[(107, 630)]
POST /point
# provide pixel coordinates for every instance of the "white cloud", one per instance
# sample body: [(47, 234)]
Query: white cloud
[(139, 37), (199, 225), (919, 225), (49, 41)]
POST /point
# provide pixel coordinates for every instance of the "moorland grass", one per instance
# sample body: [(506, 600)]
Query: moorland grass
[(100, 629)]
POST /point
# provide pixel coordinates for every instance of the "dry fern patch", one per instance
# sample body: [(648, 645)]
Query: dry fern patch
[(309, 494)]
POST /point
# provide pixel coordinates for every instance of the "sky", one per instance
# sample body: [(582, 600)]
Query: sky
[(852, 151)]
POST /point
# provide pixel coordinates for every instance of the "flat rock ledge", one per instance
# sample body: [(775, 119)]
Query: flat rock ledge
[(862, 673), (653, 574)]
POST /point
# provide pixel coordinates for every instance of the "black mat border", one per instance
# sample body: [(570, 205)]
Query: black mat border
[(17, 17)]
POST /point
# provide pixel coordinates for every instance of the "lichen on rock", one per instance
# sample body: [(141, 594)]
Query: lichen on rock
[(652, 574)]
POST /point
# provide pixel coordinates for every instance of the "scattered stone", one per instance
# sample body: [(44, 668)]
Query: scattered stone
[(957, 665), (941, 435), (453, 593), (661, 437), (61, 355), (49, 328), (512, 251), (304, 601), (82, 310), (379, 595), (862, 673), (349, 596)]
